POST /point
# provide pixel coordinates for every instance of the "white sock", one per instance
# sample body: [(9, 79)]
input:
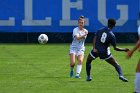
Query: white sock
[(137, 83), (78, 70)]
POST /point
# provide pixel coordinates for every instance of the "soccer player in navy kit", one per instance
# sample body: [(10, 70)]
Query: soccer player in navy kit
[(101, 42)]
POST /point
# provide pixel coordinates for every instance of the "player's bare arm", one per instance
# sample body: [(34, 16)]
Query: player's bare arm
[(137, 46), (81, 37), (94, 48), (121, 49)]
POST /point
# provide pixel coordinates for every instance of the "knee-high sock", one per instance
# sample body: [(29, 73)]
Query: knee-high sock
[(118, 69), (137, 83), (78, 70), (88, 67)]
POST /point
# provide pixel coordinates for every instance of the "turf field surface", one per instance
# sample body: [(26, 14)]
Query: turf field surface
[(34, 68)]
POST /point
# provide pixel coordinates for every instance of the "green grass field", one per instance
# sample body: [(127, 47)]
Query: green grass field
[(45, 69)]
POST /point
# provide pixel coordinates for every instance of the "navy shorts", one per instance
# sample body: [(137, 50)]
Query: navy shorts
[(103, 55)]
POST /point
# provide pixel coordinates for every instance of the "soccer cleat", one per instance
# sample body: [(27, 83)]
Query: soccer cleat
[(71, 73), (77, 77), (123, 79), (89, 78)]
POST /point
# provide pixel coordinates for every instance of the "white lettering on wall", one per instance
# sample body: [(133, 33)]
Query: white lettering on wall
[(10, 22), (102, 13), (66, 6), (28, 19)]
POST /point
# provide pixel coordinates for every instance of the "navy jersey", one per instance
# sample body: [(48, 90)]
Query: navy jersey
[(104, 37)]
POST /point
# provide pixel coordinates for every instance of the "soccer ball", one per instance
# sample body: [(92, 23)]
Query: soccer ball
[(42, 38)]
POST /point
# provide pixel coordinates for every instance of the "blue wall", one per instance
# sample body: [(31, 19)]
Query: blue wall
[(29, 15)]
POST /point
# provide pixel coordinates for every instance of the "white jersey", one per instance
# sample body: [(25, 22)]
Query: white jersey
[(139, 31), (79, 44)]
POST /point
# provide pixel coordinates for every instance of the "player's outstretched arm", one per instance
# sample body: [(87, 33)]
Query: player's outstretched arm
[(121, 49), (137, 46)]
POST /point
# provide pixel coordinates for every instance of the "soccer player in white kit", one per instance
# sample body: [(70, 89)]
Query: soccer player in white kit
[(129, 54), (77, 47)]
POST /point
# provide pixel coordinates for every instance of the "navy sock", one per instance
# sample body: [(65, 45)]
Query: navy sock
[(88, 67), (118, 69)]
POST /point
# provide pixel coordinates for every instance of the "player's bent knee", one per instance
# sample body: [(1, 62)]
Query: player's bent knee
[(80, 62)]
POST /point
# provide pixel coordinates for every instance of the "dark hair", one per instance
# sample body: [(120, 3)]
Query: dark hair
[(111, 22), (81, 17)]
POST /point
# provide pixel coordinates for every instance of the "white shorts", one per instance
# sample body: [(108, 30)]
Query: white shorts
[(76, 51)]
